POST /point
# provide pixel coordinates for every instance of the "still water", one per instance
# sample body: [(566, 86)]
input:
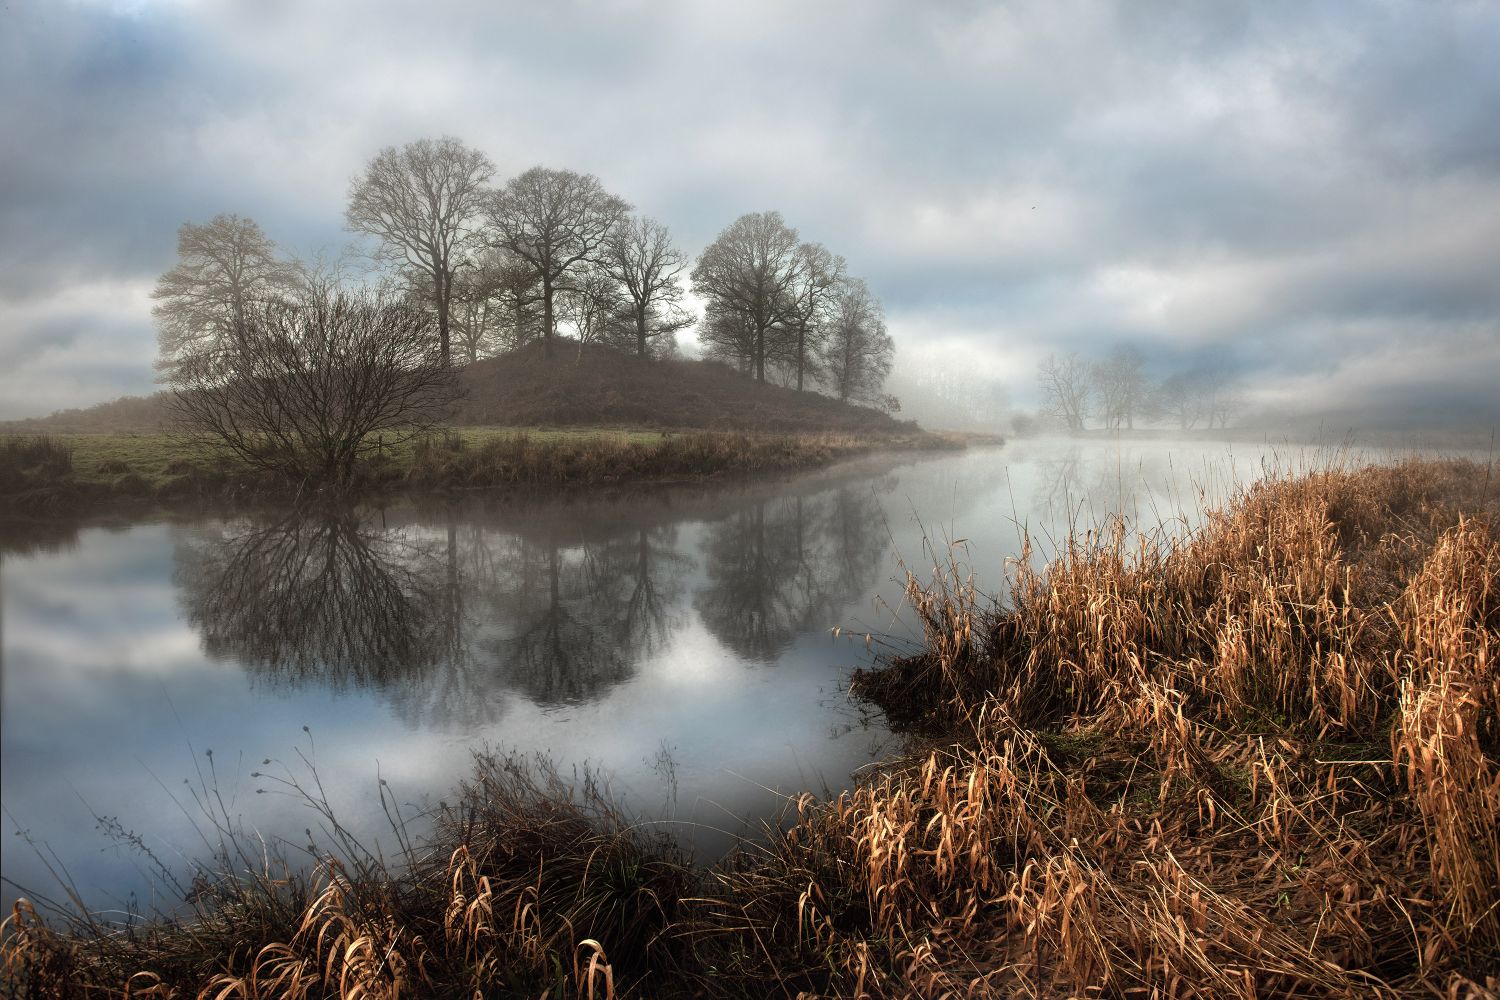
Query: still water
[(676, 641)]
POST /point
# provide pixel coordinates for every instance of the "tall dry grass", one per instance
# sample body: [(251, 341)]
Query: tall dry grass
[(530, 886), (1259, 760)]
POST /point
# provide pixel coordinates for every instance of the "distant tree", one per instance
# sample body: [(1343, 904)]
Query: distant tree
[(307, 385), (595, 306), (478, 310), (750, 269), (1181, 398), (641, 258), (557, 222), (858, 352), (1120, 387), (1221, 391), (520, 293), (806, 306), (424, 203), (1066, 389), (728, 336), (1206, 395), (225, 269)]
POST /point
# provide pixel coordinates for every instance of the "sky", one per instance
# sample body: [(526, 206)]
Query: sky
[(1307, 193)]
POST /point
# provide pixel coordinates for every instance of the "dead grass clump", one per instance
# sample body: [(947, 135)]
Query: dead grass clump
[(1269, 759), (30, 463), (1448, 732), (531, 886)]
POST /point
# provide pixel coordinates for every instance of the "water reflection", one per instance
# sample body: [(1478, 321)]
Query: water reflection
[(783, 567), (447, 615), (318, 595)]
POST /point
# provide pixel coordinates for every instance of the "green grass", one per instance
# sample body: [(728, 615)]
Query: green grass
[(159, 458), (103, 459), (62, 470)]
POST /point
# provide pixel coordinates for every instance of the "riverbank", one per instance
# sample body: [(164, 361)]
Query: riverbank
[(61, 472), (1258, 761)]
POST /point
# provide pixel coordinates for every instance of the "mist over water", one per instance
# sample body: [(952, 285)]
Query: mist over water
[(674, 642)]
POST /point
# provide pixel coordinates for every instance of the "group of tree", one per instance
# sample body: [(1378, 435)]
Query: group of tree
[(785, 310), (260, 347), (502, 266), (1117, 391)]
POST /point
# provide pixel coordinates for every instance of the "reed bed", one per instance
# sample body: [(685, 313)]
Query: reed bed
[(1261, 759)]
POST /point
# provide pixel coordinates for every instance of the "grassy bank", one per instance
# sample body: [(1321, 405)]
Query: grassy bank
[(46, 472), (1262, 760)]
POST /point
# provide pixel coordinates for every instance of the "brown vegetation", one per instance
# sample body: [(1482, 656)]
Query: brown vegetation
[(520, 459), (601, 386), (1261, 760)]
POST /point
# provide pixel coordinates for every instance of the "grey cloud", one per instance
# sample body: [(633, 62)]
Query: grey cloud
[(1287, 178)]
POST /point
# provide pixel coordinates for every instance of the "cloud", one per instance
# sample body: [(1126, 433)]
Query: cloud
[(1290, 185)]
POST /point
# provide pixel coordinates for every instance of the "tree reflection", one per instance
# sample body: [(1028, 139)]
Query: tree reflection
[(445, 623), (787, 566), (574, 613), (451, 614), (317, 596)]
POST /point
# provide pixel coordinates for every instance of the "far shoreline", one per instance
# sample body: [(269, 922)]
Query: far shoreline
[(67, 474)]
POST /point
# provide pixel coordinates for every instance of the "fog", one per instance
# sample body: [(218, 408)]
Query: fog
[(1304, 195)]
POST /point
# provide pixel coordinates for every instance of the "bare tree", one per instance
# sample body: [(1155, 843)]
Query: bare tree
[(555, 221), (750, 269), (520, 294), (423, 202), (482, 307), (805, 307), (1182, 397), (1066, 388), (858, 352), (728, 336), (1221, 391), (1120, 387), (594, 306), (641, 257), (224, 269), (306, 386)]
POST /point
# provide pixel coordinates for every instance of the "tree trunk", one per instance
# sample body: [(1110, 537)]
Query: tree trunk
[(801, 348), (546, 315), (760, 353), (441, 288)]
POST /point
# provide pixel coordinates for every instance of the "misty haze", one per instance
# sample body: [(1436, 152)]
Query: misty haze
[(854, 500)]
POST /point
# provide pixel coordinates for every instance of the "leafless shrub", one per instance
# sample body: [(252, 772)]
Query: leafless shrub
[(308, 385)]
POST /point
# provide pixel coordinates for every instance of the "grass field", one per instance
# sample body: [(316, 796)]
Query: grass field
[(38, 472), (1261, 760)]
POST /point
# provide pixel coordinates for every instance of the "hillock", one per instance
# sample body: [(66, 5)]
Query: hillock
[(602, 387), (594, 387)]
